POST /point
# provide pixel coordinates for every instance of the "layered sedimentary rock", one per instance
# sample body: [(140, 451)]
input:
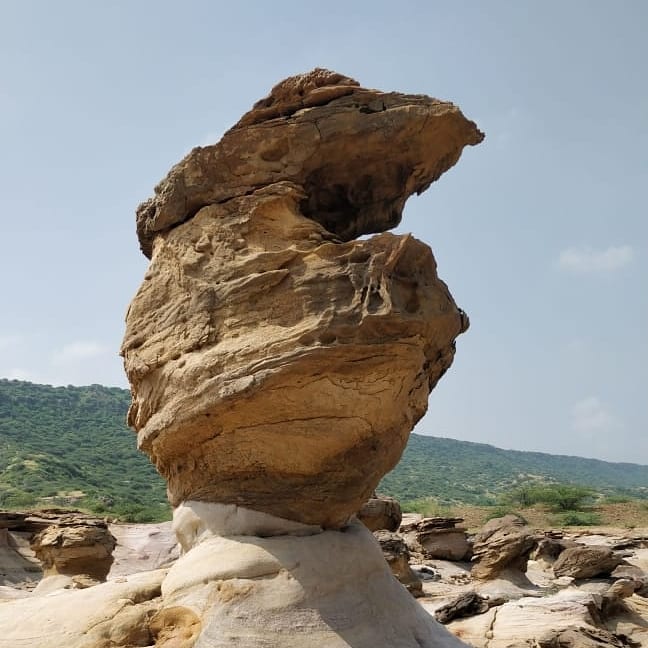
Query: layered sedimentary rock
[(77, 549), (275, 362), (278, 363)]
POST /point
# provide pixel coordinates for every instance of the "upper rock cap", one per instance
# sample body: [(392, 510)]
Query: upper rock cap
[(358, 154)]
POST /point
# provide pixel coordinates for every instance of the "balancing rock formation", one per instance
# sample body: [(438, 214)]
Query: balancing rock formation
[(278, 363)]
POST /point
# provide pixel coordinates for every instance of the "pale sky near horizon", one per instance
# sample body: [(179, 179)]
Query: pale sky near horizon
[(541, 232)]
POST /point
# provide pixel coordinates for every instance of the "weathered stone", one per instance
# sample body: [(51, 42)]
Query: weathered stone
[(250, 579), (115, 614), (381, 512), (437, 538), (397, 556), (586, 561), (273, 366), (358, 154), (466, 604), (502, 543), (76, 549)]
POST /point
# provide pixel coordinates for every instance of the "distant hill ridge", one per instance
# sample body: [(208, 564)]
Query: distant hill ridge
[(71, 446)]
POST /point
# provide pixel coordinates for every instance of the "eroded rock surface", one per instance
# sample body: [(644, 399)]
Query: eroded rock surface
[(397, 556), (75, 549), (586, 562), (502, 544), (381, 512), (438, 537), (275, 362)]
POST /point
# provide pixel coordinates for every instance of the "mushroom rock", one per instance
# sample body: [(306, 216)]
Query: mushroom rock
[(278, 362), (75, 548), (275, 361)]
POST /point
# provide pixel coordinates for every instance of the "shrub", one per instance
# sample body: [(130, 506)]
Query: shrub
[(578, 518), (560, 497)]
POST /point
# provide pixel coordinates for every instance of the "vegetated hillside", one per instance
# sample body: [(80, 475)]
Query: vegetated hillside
[(476, 473), (70, 446)]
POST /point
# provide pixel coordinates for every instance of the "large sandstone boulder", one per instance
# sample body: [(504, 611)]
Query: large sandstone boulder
[(275, 362), (586, 561), (397, 556), (437, 538), (278, 364), (502, 544), (381, 512), (75, 549)]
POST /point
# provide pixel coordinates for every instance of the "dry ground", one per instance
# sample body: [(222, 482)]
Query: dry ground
[(627, 515)]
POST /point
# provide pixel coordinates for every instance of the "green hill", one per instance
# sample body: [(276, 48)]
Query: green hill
[(476, 473), (69, 446)]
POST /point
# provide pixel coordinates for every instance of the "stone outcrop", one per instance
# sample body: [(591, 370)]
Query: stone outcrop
[(278, 363), (438, 537), (116, 614), (381, 512), (397, 556), (275, 362), (502, 544), (586, 561), (75, 549)]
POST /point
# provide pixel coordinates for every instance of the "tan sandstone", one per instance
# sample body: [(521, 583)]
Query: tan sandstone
[(275, 362)]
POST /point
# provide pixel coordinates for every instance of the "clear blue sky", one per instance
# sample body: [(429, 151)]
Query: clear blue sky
[(541, 232)]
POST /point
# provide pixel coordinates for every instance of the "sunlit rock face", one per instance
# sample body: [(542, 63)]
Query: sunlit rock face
[(276, 361)]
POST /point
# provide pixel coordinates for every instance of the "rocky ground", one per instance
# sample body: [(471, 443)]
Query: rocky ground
[(507, 585)]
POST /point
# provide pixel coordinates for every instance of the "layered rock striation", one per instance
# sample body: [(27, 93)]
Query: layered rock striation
[(277, 362)]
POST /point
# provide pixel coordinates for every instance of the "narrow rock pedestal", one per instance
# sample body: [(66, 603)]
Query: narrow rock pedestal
[(251, 579)]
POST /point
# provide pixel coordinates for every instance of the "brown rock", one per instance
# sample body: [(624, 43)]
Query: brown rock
[(579, 637), (357, 154), (586, 562), (381, 512), (437, 538), (465, 605), (397, 556), (75, 549), (273, 366), (502, 543)]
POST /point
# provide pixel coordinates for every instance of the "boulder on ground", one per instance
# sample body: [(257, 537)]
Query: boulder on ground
[(76, 550), (381, 512), (502, 543), (586, 562), (437, 538), (397, 556), (276, 362)]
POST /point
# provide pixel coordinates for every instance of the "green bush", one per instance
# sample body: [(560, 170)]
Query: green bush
[(578, 518), (560, 497)]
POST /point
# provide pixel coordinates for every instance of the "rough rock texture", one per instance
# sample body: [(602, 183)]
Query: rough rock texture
[(397, 556), (250, 579), (431, 538), (75, 549), (465, 605), (503, 543), (559, 621), (52, 542), (142, 547), (586, 562), (110, 615), (358, 154), (274, 362), (381, 512)]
